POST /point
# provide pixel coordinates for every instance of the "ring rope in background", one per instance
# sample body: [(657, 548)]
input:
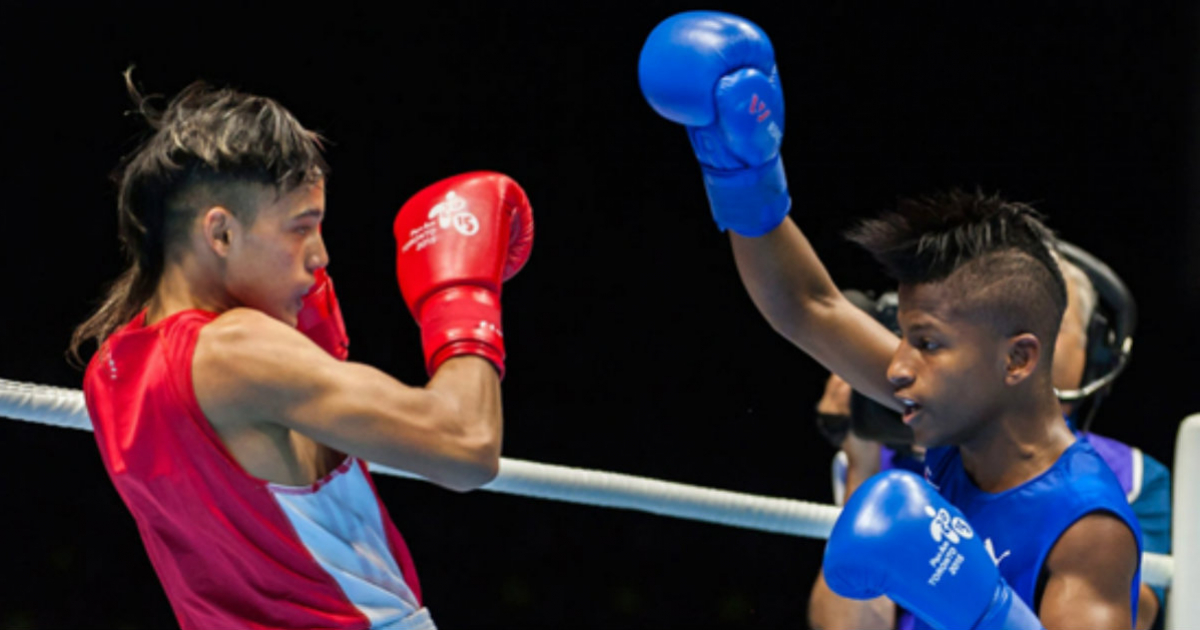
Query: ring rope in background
[(62, 407)]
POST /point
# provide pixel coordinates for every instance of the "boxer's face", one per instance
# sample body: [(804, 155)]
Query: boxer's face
[(949, 368), (270, 262)]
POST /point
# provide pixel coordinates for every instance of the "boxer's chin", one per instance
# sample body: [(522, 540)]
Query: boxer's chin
[(291, 315), (288, 313)]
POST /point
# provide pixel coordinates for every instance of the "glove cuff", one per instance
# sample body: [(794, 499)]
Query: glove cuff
[(1008, 612), (750, 201), (462, 320)]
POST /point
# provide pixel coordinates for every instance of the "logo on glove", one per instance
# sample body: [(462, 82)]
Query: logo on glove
[(453, 211), (759, 107), (450, 212), (949, 531), (953, 529)]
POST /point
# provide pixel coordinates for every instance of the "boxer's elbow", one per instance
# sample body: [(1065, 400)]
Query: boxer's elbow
[(1147, 608), (477, 476), (466, 476), (478, 467), (472, 454)]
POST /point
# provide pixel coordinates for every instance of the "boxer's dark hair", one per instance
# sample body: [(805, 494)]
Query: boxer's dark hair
[(994, 254), (207, 147)]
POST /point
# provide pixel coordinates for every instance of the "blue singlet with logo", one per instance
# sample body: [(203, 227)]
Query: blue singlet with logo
[(1020, 526)]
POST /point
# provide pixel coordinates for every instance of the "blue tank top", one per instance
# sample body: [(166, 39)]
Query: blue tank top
[(1019, 526)]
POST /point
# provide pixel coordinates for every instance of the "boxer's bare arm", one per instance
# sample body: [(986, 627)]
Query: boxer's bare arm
[(251, 369), (1090, 569), (1147, 608), (792, 289), (829, 611)]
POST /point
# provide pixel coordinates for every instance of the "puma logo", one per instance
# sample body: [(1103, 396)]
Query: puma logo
[(991, 549)]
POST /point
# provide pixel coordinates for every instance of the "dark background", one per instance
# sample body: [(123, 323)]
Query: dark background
[(632, 345)]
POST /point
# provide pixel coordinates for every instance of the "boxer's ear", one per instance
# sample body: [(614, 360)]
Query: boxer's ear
[(1023, 354), (217, 227)]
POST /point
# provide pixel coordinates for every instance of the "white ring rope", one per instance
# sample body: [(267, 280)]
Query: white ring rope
[(65, 408)]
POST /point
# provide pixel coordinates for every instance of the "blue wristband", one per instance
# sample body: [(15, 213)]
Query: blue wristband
[(750, 201)]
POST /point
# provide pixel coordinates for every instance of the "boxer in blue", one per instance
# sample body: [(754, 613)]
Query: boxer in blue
[(1017, 524), (1087, 354)]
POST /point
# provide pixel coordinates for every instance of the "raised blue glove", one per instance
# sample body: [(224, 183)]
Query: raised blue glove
[(898, 537), (715, 73)]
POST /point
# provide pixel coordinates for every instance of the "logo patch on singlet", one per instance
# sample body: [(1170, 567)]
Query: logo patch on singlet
[(112, 365), (929, 478)]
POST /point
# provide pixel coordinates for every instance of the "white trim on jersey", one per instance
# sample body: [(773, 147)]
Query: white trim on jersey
[(1137, 472), (338, 520)]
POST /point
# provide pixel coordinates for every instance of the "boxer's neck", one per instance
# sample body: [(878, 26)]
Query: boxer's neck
[(1021, 442), (185, 284)]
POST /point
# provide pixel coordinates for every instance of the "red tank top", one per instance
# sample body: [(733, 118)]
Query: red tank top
[(232, 550)]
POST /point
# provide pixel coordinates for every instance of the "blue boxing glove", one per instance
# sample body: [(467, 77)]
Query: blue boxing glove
[(898, 537), (715, 73)]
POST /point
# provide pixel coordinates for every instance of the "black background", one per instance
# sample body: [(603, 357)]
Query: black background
[(632, 345)]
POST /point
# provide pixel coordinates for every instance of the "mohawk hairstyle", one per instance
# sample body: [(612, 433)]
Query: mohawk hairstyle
[(208, 146), (994, 253), (209, 136)]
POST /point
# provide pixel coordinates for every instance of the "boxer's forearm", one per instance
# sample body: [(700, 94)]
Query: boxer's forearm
[(785, 278), (472, 387), (829, 611), (791, 288)]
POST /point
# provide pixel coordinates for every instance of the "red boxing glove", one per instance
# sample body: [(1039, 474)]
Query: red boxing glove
[(321, 318), (457, 241)]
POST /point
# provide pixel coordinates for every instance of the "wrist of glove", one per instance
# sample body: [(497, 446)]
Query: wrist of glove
[(1008, 612), (462, 320), (751, 201)]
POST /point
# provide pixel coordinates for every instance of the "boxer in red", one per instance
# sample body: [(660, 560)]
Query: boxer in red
[(225, 412)]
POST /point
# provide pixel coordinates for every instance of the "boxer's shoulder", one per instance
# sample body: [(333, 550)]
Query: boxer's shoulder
[(246, 361)]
